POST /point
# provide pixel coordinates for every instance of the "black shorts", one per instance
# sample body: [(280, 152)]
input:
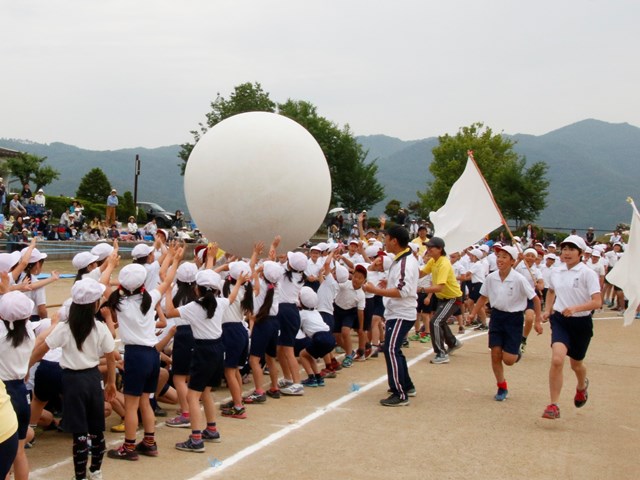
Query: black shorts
[(505, 330), (47, 381), (529, 304), (206, 364), (264, 337), (378, 306), (321, 344), (574, 332), (474, 291), (313, 285), (328, 319), (82, 401), (236, 344), (344, 318), (17, 391), (368, 313), (141, 370), (300, 344), (289, 323), (182, 349)]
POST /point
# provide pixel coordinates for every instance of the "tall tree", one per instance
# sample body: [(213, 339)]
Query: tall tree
[(30, 168), (520, 192), (94, 186)]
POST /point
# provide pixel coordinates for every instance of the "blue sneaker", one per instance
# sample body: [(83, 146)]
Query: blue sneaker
[(210, 436), (310, 382), (320, 382), (347, 362), (502, 394), (190, 446)]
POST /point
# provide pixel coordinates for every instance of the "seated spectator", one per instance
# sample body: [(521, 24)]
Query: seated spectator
[(132, 228), (151, 228), (15, 207), (113, 232), (40, 199)]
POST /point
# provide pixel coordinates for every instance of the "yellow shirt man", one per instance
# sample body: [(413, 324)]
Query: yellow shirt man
[(442, 273)]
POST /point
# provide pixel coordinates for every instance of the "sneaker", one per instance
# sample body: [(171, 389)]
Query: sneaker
[(309, 382), (460, 330), (551, 412), (412, 392), (97, 475), (273, 393), (335, 365), (234, 412), (191, 446), (581, 395), (210, 436), (502, 394), (177, 422), (638, 315), (457, 346), (284, 382), (254, 398), (347, 362), (328, 373), (368, 352), (148, 450), (293, 390), (360, 356), (394, 401), (523, 348), (118, 428), (159, 412), (405, 344), (320, 382), (339, 350), (425, 338), (122, 453), (440, 358), (481, 328), (414, 338)]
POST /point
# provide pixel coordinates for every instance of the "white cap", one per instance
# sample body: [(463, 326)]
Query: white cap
[(87, 291), (102, 250), (132, 276), (83, 260), (551, 245), (551, 256), (517, 239), (576, 241), (238, 268), (209, 279), (533, 251), (186, 272), (316, 248), (414, 247), (476, 252), (342, 274), (371, 251), (63, 312), (588, 250), (354, 240), (297, 261), (36, 255), (386, 262), (9, 260), (332, 246), (15, 306), (596, 253), (308, 298), (164, 232), (141, 250), (513, 251), (484, 247), (272, 271), (322, 246)]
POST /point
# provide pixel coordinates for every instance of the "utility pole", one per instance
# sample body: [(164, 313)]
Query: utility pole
[(135, 184)]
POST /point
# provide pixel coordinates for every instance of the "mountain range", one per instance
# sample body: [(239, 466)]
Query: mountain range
[(593, 168)]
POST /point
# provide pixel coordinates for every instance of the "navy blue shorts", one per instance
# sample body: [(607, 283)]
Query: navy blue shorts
[(182, 349), (141, 370), (300, 344), (378, 306), (368, 313), (17, 390), (505, 330), (289, 320), (433, 303), (236, 344), (344, 318), (321, 344), (47, 381), (82, 401), (574, 332), (207, 364), (328, 319), (313, 285), (529, 304), (264, 337), (474, 291)]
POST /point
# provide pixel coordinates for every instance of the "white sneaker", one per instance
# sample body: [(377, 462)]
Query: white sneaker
[(284, 382), (441, 358), (293, 389), (97, 475)]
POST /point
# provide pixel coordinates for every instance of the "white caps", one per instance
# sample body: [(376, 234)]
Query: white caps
[(9, 260), (323, 246), (574, 240), (186, 272), (102, 250), (386, 262), (513, 251), (15, 306), (596, 253), (63, 312), (308, 298), (87, 291), (484, 248), (342, 274), (83, 260), (297, 261), (132, 276), (209, 279), (414, 247), (532, 251), (588, 251), (238, 268), (372, 250), (141, 250), (272, 271), (355, 241), (316, 248), (476, 252), (36, 255), (552, 245)]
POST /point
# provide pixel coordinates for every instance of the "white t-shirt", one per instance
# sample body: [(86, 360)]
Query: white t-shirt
[(477, 270), (258, 300), (510, 295), (233, 313), (521, 268), (135, 328), (290, 289), (597, 267), (348, 298), (313, 268), (153, 275), (573, 287), (97, 343), (14, 362), (311, 322), (203, 328), (327, 293)]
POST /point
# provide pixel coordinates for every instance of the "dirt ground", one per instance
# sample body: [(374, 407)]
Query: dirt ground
[(452, 429)]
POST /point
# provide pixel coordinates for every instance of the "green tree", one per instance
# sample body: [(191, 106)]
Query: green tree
[(126, 208), (30, 168), (247, 97), (94, 186), (520, 192), (391, 210)]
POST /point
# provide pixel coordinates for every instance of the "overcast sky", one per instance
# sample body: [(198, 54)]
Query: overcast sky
[(125, 73)]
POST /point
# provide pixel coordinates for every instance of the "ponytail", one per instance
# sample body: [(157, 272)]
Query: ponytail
[(116, 297), (267, 304), (208, 301), (16, 333), (81, 322)]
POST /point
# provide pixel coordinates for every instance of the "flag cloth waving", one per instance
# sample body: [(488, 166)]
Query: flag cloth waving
[(625, 274), (469, 213)]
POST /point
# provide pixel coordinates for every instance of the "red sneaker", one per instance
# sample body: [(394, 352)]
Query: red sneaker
[(581, 395), (551, 412)]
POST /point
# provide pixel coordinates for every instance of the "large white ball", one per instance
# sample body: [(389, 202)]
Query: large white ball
[(254, 176)]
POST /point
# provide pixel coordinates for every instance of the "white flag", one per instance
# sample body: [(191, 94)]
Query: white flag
[(625, 274), (469, 212)]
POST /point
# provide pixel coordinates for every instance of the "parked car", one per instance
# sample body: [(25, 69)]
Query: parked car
[(164, 219)]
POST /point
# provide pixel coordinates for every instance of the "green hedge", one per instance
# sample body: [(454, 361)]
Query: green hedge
[(59, 204)]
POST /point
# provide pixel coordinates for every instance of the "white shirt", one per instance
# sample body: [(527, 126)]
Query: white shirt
[(153, 275), (573, 287), (510, 295), (258, 300), (233, 313), (327, 293), (521, 268), (403, 275), (477, 270), (97, 343), (313, 268), (203, 328), (135, 328), (348, 298), (290, 289), (14, 362), (311, 322), (597, 267)]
